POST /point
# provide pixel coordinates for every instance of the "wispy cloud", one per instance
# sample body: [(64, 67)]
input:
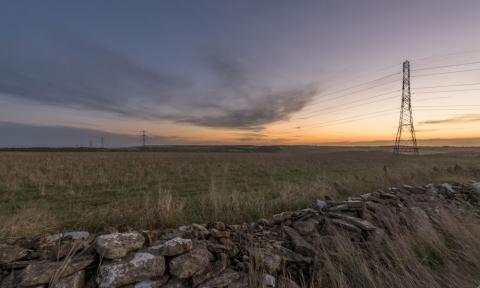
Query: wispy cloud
[(454, 120)]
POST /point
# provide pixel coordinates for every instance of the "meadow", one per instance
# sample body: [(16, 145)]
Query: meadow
[(52, 191)]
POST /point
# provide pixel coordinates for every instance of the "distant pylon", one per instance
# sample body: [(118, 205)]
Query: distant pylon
[(406, 141), (144, 138)]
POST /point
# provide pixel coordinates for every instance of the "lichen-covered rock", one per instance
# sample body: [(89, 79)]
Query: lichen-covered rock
[(42, 272), (173, 247), (139, 267), (11, 253), (117, 245), (191, 263)]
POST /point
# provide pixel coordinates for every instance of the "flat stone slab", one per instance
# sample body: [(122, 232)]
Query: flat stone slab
[(117, 245), (173, 247), (361, 223), (139, 267)]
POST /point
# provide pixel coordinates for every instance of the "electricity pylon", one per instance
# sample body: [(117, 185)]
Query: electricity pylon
[(406, 141), (144, 138)]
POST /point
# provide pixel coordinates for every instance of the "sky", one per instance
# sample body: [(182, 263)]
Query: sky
[(237, 72)]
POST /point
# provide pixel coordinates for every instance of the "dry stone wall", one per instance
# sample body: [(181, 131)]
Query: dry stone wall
[(220, 255)]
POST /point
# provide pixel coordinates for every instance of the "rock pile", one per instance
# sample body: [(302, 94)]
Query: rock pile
[(220, 255)]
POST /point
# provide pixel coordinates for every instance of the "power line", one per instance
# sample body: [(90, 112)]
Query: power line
[(448, 72), (448, 109), (447, 106), (362, 84), (308, 115), (351, 118), (445, 86), (446, 91), (445, 66)]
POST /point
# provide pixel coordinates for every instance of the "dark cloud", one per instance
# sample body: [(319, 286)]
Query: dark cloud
[(63, 136), (454, 120), (78, 73), (241, 103), (257, 111)]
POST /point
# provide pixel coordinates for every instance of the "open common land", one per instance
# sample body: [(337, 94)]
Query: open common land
[(51, 191)]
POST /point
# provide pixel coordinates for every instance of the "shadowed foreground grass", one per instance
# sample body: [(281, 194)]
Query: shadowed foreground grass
[(421, 254), (46, 191)]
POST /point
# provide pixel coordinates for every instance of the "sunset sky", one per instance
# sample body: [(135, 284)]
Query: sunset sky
[(237, 72)]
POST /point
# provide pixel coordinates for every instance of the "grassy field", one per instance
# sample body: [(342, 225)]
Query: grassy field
[(46, 191)]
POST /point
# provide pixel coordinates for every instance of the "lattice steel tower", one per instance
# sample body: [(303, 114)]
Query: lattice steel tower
[(406, 141)]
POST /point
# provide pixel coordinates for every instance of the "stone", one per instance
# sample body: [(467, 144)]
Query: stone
[(281, 217), (361, 223), (476, 187), (306, 227), (76, 280), (173, 247), (300, 245), (41, 272), (117, 245), (215, 233), (284, 282), (291, 256), (242, 282), (201, 231), (150, 283), (265, 258), (74, 235), (321, 205), (223, 280), (11, 253), (269, 280), (177, 283), (217, 225), (447, 189), (137, 268), (263, 222), (62, 248), (191, 263), (387, 195), (9, 281), (345, 225), (214, 270), (41, 242)]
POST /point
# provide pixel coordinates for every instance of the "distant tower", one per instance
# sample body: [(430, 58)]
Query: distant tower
[(144, 138), (102, 141), (406, 141)]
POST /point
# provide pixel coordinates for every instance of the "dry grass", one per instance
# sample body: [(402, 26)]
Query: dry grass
[(421, 255), (44, 191)]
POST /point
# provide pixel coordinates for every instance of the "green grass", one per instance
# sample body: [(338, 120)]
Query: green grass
[(42, 191)]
